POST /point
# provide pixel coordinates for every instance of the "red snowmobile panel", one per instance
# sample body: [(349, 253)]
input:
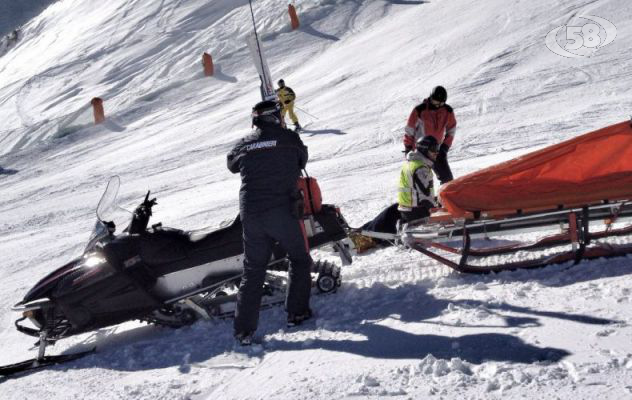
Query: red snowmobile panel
[(585, 170)]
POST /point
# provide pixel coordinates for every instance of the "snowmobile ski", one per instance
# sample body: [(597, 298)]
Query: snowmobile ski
[(37, 363)]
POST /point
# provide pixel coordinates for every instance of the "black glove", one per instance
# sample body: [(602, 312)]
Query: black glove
[(287, 101), (297, 205), (407, 149), (443, 149)]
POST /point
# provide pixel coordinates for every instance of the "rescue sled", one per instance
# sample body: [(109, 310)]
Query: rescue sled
[(577, 195)]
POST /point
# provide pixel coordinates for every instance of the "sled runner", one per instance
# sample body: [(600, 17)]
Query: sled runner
[(576, 194), (160, 275), (574, 240)]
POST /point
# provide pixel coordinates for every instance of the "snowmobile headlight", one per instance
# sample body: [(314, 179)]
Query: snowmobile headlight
[(92, 261)]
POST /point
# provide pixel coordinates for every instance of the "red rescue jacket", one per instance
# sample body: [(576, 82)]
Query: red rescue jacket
[(426, 119)]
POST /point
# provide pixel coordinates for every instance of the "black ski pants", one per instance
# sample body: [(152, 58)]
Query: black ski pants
[(415, 214), (442, 169), (260, 232), (386, 221)]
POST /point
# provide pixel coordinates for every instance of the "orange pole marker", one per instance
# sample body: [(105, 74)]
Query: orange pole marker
[(99, 113), (207, 61), (293, 17)]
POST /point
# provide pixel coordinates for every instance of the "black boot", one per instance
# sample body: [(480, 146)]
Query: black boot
[(244, 338), (297, 319)]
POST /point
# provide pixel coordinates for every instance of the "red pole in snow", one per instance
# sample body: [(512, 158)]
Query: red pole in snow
[(97, 108), (207, 61), (293, 17)]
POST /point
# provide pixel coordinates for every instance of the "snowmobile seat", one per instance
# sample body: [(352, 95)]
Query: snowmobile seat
[(202, 235), (202, 238), (222, 243), (166, 250)]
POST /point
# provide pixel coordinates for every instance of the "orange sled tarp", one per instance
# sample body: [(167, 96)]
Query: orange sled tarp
[(585, 170)]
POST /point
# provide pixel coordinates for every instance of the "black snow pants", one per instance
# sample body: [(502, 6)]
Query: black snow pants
[(415, 214), (260, 232), (386, 221), (442, 169)]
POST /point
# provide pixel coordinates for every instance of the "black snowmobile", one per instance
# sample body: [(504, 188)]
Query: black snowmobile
[(160, 275)]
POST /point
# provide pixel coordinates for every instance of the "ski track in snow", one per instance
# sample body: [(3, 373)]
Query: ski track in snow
[(401, 326)]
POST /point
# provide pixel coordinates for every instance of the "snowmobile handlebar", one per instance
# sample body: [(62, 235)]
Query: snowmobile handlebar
[(148, 204), (140, 220)]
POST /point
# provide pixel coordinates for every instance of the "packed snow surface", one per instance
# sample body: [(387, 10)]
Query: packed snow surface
[(401, 326)]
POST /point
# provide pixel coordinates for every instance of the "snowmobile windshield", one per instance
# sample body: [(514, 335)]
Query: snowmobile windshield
[(107, 204), (99, 232), (105, 213)]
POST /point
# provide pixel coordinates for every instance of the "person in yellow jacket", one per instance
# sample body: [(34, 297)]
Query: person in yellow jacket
[(286, 98), (414, 200), (416, 186)]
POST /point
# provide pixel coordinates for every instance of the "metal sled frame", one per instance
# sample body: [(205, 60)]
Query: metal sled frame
[(575, 231)]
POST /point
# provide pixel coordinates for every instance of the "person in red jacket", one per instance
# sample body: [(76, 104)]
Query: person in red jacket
[(433, 117)]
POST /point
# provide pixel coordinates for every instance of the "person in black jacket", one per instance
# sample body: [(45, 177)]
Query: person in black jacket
[(270, 162)]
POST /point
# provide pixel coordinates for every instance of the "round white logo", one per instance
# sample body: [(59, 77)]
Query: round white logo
[(582, 41)]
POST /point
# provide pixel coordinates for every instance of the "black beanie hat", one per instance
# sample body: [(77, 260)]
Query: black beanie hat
[(439, 94)]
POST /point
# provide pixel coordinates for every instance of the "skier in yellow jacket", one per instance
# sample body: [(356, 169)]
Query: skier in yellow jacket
[(416, 186), (286, 97)]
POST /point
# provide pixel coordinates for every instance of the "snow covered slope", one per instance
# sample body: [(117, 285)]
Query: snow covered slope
[(15, 13), (401, 326)]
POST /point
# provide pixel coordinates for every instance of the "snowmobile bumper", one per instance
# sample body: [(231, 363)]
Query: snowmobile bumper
[(29, 310), (31, 305), (25, 329)]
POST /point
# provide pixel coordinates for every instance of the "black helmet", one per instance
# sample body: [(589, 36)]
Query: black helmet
[(439, 94), (281, 83), (266, 111), (427, 144)]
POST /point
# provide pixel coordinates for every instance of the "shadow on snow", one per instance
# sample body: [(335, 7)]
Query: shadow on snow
[(307, 28), (8, 171), (150, 347), (312, 132), (407, 2)]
